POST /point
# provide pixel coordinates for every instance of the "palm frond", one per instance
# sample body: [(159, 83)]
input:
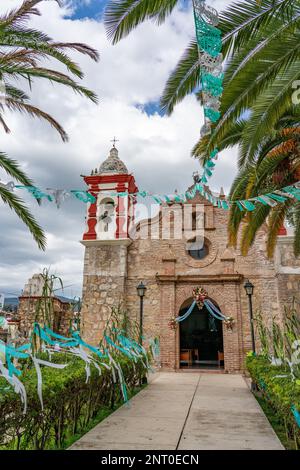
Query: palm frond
[(183, 79), (243, 20), (12, 168), (122, 16), (255, 220), (268, 108), (15, 105)]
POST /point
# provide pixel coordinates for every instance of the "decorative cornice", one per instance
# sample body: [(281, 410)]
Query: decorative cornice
[(121, 241), (202, 279), (285, 239)]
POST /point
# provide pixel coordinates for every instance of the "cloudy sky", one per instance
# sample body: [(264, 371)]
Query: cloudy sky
[(128, 80)]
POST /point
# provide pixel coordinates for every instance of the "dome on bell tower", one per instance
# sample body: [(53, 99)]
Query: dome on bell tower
[(113, 164)]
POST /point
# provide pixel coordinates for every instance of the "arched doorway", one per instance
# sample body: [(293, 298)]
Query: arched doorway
[(201, 339)]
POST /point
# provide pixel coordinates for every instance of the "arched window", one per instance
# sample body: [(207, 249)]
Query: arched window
[(106, 215)]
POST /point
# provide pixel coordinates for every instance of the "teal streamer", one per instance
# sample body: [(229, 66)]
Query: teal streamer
[(116, 346), (83, 196), (207, 172), (248, 205), (36, 192), (277, 197), (296, 414), (225, 205), (260, 199), (214, 153), (157, 199), (14, 353), (295, 192), (208, 37), (212, 84), (239, 205), (212, 114), (199, 188)]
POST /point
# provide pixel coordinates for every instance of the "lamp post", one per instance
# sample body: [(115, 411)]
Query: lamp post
[(249, 287), (141, 290)]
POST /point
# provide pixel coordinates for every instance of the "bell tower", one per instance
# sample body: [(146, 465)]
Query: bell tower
[(106, 240), (109, 218)]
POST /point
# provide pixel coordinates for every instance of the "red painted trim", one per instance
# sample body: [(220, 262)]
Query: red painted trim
[(104, 179), (118, 183), (282, 231)]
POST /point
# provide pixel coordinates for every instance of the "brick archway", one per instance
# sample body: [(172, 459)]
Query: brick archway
[(225, 291), (199, 348)]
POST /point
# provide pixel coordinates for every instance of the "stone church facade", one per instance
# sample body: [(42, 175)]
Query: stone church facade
[(119, 253)]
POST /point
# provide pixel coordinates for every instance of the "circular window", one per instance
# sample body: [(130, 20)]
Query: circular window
[(201, 253), (197, 249)]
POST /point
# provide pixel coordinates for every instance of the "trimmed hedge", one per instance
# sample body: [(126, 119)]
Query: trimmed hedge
[(70, 404), (281, 393)]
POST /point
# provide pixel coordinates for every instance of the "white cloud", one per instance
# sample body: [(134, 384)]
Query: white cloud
[(156, 149)]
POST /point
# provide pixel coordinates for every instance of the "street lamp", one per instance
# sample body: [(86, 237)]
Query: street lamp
[(141, 290), (249, 287)]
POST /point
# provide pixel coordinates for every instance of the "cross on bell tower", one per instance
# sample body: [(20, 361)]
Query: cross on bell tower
[(114, 140)]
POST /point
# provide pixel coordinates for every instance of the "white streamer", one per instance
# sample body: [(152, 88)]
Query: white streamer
[(16, 383), (37, 363)]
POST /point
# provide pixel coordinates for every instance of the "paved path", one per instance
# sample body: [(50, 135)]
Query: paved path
[(186, 411)]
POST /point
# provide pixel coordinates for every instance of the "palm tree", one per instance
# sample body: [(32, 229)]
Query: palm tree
[(259, 77), (239, 23), (276, 165), (23, 51), (261, 45)]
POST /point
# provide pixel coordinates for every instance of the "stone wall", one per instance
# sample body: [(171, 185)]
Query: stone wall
[(105, 272), (112, 273), (31, 309), (288, 273)]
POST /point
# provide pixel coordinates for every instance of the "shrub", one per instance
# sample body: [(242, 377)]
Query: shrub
[(70, 403), (281, 392)]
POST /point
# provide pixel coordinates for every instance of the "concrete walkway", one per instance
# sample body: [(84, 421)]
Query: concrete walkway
[(186, 411)]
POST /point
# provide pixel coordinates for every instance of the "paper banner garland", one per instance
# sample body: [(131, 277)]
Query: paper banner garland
[(58, 196), (52, 343), (209, 42)]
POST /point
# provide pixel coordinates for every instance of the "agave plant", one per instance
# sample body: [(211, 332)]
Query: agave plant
[(263, 334), (22, 56)]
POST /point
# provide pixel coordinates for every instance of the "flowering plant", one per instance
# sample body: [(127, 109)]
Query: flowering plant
[(229, 323), (200, 295), (172, 324)]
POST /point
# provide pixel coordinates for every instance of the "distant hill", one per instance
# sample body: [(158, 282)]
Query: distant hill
[(11, 301)]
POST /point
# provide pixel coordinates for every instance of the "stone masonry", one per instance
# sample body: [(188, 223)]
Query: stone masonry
[(113, 269), (32, 305)]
